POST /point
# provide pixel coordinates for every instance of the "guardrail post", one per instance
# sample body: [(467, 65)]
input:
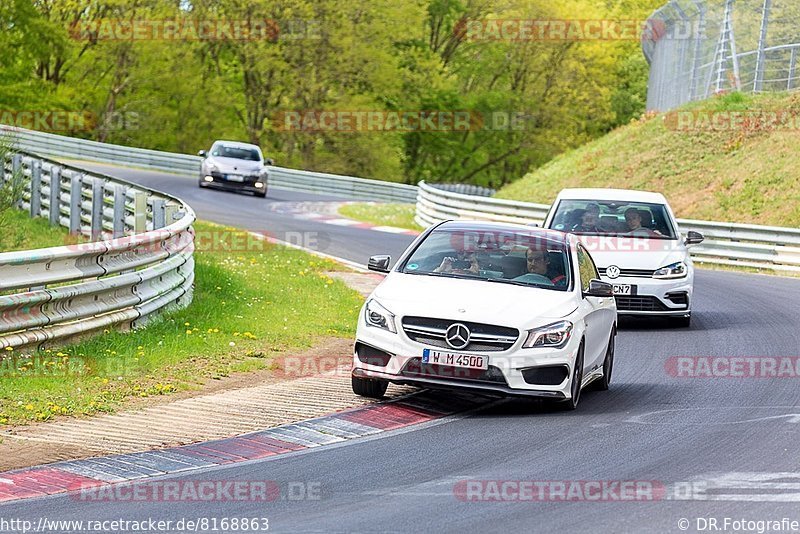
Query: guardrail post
[(139, 212), (169, 213), (159, 216), (16, 175), (118, 223), (55, 195), (98, 190), (36, 188), (75, 199)]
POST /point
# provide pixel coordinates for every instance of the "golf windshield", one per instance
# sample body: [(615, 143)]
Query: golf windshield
[(519, 258), (615, 218)]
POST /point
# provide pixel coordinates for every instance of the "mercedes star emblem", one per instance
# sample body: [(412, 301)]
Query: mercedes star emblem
[(457, 336), (612, 271)]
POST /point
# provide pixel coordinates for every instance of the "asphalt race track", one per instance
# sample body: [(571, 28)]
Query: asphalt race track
[(718, 447)]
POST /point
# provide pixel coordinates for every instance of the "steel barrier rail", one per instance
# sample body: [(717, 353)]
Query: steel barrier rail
[(744, 245), (138, 264), (725, 244), (347, 186), (282, 178)]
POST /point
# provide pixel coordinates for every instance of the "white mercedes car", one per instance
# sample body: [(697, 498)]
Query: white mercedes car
[(633, 237), (234, 166), (488, 307)]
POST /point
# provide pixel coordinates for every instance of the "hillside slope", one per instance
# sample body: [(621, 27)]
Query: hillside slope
[(748, 174)]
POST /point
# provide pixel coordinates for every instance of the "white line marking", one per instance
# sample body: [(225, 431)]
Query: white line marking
[(390, 229), (342, 222)]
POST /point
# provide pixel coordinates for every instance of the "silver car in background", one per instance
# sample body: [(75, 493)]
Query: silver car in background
[(235, 166)]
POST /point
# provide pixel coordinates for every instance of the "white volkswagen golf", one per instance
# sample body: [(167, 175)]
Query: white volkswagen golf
[(635, 240), (488, 307)]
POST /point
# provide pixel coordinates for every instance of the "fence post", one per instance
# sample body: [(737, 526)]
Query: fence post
[(55, 195), (98, 191), (762, 45), (792, 69), (118, 224), (159, 217), (139, 212), (36, 188), (75, 201), (698, 42)]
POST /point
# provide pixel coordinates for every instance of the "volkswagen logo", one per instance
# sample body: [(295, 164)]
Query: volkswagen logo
[(457, 336), (612, 271)]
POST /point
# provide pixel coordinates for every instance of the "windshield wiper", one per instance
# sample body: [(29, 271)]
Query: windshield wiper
[(443, 275), (517, 283)]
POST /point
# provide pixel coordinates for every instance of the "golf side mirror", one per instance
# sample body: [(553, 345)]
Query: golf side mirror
[(693, 238)]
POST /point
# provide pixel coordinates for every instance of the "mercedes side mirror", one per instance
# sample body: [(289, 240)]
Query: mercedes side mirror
[(693, 238), (598, 288), (269, 161), (379, 263), (203, 154)]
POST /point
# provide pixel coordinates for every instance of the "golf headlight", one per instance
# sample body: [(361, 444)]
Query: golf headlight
[(378, 316), (554, 335), (675, 270)]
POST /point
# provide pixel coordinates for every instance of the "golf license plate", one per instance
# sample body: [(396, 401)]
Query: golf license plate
[(624, 289), (234, 177), (454, 359)]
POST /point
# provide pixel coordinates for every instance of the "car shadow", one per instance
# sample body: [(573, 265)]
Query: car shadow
[(623, 399), (700, 323)]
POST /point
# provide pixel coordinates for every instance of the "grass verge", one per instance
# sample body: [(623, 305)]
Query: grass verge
[(746, 174), (396, 215), (248, 307), (19, 232)]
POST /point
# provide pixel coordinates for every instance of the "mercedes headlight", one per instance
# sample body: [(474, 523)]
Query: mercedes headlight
[(675, 270), (554, 335), (211, 167), (379, 317)]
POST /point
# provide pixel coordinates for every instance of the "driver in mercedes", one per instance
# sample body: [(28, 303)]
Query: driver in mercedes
[(538, 262)]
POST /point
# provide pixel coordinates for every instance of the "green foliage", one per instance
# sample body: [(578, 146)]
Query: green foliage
[(179, 95)]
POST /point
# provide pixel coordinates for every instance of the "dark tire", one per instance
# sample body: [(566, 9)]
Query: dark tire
[(366, 387), (681, 322), (603, 383), (261, 195), (575, 385)]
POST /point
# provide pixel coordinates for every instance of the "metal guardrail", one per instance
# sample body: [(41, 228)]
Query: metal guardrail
[(138, 263), (282, 178), (345, 186), (726, 244), (745, 245), (47, 144)]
